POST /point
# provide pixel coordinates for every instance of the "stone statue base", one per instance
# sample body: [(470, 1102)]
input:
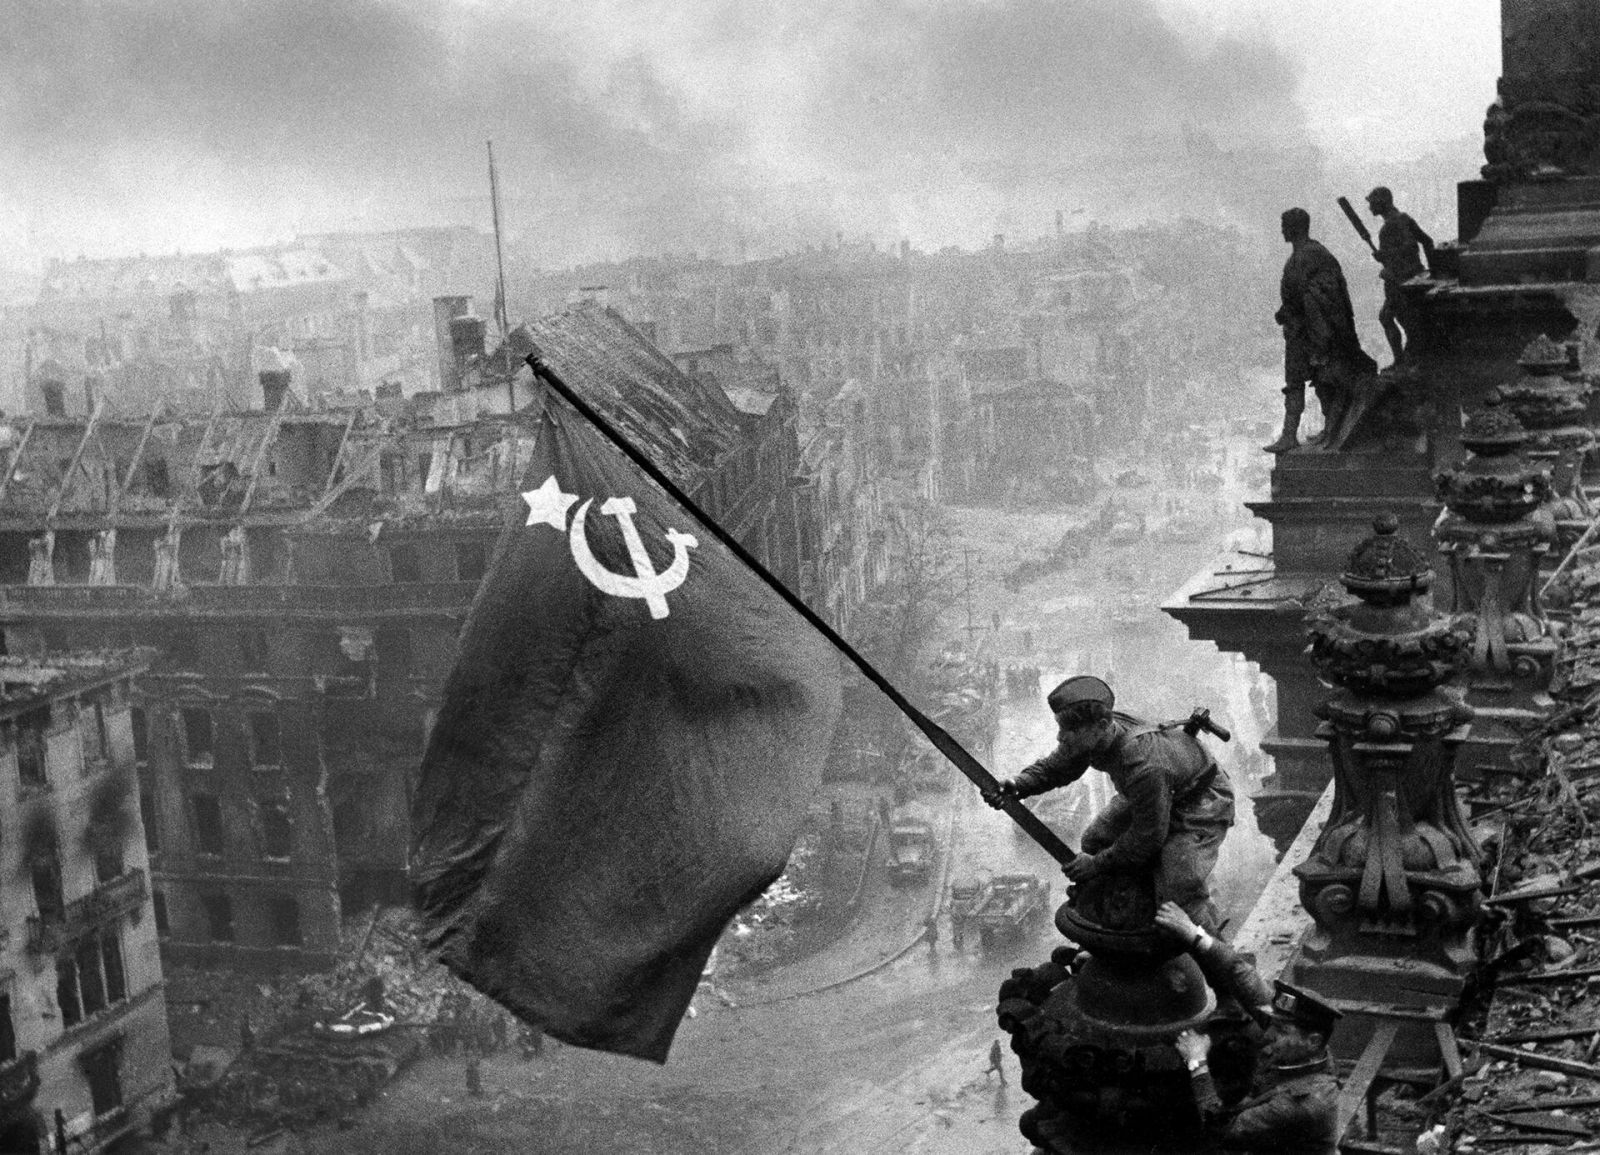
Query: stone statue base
[(1095, 1041)]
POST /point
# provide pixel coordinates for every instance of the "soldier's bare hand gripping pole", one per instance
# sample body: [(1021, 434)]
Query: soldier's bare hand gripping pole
[(1357, 223), (957, 754)]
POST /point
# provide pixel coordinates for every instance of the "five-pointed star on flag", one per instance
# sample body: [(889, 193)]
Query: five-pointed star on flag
[(547, 505)]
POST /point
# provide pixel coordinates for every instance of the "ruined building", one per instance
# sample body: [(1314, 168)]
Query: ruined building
[(301, 577), (84, 1053)]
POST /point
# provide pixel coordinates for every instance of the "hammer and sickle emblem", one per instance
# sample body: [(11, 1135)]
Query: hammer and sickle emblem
[(644, 582)]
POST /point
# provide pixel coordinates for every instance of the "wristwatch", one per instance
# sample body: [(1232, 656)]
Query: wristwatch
[(1195, 1065), (1201, 940)]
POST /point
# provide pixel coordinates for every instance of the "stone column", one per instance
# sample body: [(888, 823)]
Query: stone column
[(1095, 1042), (1550, 397), (1392, 882), (1495, 532)]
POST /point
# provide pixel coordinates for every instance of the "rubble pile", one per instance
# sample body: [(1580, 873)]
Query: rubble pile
[(1532, 1082), (287, 1074)]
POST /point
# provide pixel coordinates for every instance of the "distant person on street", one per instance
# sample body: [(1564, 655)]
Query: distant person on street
[(996, 1063), (930, 931), (1173, 807), (1404, 251)]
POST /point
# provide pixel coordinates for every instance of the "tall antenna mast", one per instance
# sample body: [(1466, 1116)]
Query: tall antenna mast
[(500, 308)]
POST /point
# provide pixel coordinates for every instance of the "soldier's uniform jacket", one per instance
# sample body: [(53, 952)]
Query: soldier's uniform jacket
[(1294, 1115), (1401, 242), (1170, 781), (1319, 322)]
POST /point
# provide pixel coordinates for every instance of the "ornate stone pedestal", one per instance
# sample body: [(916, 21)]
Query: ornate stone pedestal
[(1392, 882), (1496, 530), (1095, 1041)]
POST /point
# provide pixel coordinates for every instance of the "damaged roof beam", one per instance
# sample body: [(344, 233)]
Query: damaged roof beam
[(77, 459)]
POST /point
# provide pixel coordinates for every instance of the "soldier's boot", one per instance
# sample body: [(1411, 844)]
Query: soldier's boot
[(1289, 438)]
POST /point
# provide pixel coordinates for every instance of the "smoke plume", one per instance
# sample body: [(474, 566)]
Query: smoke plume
[(649, 125)]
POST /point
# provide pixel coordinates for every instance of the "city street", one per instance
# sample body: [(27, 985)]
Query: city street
[(877, 1042)]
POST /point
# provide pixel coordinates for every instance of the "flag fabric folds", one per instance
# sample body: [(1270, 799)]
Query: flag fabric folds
[(623, 756)]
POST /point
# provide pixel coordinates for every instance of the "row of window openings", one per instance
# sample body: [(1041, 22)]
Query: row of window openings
[(182, 647), (282, 911), (199, 738), (405, 561), (274, 825)]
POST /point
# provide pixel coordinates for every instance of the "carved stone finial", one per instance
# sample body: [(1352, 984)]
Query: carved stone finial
[(1384, 567)]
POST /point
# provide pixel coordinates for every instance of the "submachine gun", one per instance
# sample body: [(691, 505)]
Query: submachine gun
[(1200, 720)]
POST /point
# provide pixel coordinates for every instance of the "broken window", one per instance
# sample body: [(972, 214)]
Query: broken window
[(31, 729), (141, 734), (207, 823), (108, 862), (91, 977), (405, 564), (92, 728), (197, 737), (283, 913), (277, 834), (152, 828), (254, 649), (102, 1070), (158, 903), (45, 872), (8, 1030), (266, 742), (156, 478), (219, 916), (472, 560)]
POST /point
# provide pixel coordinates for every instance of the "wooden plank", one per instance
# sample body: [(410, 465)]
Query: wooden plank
[(1543, 1062), (1546, 1036), (1354, 1092), (1547, 977), (1448, 1050)]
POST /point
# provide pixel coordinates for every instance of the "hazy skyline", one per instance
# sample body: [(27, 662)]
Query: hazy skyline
[(652, 125)]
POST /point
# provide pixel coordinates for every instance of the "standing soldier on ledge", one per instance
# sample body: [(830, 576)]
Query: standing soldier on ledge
[(1402, 248), (1319, 332), (1174, 803)]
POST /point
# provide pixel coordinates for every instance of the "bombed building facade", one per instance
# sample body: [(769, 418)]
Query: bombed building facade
[(84, 1050), (301, 577)]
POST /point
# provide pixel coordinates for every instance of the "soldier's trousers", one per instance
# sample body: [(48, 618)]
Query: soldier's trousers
[(1187, 859)]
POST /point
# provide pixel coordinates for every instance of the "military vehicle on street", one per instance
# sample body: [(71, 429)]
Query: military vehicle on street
[(1008, 905), (911, 843)]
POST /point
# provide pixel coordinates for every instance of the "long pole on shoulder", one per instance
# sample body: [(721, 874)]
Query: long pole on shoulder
[(943, 741)]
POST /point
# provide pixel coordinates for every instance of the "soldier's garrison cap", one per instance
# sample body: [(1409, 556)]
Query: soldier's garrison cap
[(1083, 688), (1303, 1009)]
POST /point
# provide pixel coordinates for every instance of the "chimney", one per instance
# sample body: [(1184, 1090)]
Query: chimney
[(905, 250), (468, 338), (999, 241), (1061, 224), (274, 387), (445, 310)]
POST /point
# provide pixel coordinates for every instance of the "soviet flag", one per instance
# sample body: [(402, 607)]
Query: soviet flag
[(623, 757)]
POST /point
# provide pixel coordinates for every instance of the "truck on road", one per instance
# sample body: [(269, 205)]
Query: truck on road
[(911, 843), (1007, 905)]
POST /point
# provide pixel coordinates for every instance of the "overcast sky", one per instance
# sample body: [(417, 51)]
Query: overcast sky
[(645, 125)]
